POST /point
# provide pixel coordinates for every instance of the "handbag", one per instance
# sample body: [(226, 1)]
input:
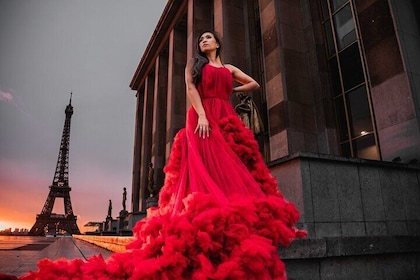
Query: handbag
[(248, 112)]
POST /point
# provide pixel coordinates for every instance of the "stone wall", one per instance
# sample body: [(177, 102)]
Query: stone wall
[(370, 258), (351, 197), (362, 217)]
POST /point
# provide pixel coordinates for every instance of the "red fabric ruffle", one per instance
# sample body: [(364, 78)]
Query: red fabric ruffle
[(207, 239)]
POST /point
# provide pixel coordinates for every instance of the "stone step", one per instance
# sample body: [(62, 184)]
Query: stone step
[(111, 243)]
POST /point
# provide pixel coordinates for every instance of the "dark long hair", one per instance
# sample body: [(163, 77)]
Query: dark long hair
[(201, 59)]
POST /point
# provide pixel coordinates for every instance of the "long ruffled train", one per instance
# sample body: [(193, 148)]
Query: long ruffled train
[(205, 238)]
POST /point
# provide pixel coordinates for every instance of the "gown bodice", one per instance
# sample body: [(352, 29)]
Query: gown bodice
[(216, 82), (215, 89)]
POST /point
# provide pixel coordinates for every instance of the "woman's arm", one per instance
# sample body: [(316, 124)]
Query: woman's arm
[(247, 82), (202, 127)]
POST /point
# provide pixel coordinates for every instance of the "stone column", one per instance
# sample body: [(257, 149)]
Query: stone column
[(138, 135), (199, 19), (147, 137), (159, 117), (232, 31), (176, 98), (241, 43), (273, 80)]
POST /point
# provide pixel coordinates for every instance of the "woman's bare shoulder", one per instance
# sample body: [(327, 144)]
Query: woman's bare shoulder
[(231, 67)]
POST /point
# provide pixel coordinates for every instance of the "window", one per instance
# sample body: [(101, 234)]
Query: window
[(351, 67), (361, 123), (335, 4), (344, 27), (351, 94)]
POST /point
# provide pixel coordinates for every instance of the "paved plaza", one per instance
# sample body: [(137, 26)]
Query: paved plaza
[(19, 255)]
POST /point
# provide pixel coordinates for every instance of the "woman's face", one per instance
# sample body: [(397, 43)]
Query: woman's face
[(207, 42)]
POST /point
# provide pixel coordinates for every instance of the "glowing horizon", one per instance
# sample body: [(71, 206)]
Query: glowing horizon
[(24, 224), (13, 225)]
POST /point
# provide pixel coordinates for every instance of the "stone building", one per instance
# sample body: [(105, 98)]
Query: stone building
[(340, 98)]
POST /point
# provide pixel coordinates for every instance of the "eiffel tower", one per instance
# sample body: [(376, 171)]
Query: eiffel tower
[(48, 221)]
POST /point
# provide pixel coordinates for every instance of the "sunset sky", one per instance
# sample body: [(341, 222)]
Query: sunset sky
[(48, 49)]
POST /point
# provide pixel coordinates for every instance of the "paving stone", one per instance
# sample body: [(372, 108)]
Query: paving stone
[(19, 260)]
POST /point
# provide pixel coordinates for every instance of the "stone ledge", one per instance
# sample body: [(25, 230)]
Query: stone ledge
[(303, 248), (111, 243), (334, 158), (350, 246)]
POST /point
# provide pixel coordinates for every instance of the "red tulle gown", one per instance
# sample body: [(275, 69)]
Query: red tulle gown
[(220, 214)]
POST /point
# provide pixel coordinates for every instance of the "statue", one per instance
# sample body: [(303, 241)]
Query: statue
[(110, 208), (124, 198), (122, 218)]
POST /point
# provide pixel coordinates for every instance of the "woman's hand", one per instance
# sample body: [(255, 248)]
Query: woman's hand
[(203, 128)]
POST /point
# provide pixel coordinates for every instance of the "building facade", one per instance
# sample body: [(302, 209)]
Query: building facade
[(340, 100)]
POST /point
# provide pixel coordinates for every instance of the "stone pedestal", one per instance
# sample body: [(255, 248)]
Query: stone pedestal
[(123, 224), (108, 224)]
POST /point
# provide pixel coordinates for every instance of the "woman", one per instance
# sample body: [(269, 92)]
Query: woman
[(220, 213)]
